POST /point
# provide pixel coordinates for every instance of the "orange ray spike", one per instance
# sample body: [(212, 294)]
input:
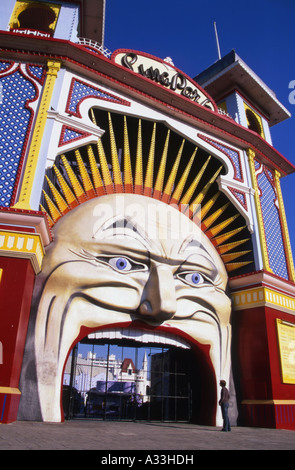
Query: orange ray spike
[(170, 183), (50, 221), (148, 183), (78, 190), (93, 117), (212, 232), (138, 164), (232, 256), (180, 186), (226, 236), (60, 202), (97, 181), (128, 180), (202, 211), (200, 197), (86, 181), (189, 194), (67, 192), (213, 217), (53, 210), (108, 182), (161, 172), (115, 159), (230, 246), (230, 267), (106, 175)]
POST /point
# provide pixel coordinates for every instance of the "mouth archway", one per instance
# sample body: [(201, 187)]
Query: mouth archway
[(139, 373)]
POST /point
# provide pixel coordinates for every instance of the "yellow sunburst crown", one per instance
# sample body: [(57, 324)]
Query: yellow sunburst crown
[(145, 170)]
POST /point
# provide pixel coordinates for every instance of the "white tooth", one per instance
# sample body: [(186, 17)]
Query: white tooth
[(158, 337)]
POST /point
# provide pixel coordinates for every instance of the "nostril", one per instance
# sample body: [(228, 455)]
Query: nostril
[(164, 315), (160, 314), (167, 310), (145, 308)]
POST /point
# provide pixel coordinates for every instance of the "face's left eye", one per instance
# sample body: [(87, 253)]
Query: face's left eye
[(122, 263), (193, 278)]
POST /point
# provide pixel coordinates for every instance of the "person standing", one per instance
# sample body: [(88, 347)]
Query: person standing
[(224, 404)]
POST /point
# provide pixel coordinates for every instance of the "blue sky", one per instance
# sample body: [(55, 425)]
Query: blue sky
[(262, 33)]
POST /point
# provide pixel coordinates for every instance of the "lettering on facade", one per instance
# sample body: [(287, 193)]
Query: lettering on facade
[(286, 334), (164, 74)]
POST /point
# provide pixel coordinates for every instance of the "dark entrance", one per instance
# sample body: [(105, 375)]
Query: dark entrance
[(128, 382)]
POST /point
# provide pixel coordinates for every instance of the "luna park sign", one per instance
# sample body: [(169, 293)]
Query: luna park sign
[(164, 74)]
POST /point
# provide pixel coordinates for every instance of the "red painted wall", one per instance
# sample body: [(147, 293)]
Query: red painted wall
[(252, 354), (256, 350), (280, 390), (16, 289)]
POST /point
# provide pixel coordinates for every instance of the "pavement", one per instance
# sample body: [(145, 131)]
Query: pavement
[(131, 437)]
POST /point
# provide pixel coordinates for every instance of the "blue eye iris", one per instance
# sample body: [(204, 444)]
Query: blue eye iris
[(193, 278), (196, 278), (121, 264)]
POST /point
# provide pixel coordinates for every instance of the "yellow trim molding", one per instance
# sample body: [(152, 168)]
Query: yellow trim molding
[(268, 402), (251, 156), (34, 150), (22, 245), (261, 297), (10, 390)]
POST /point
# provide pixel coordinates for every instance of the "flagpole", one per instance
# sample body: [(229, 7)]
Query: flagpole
[(217, 41)]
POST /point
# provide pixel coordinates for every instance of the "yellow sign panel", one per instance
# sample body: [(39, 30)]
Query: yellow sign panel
[(286, 335)]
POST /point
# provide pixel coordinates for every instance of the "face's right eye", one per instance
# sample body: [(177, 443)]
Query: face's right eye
[(122, 264), (194, 278)]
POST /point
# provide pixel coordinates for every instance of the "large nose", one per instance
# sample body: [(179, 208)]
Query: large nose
[(158, 300)]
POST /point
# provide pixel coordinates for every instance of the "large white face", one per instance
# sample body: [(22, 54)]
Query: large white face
[(117, 259)]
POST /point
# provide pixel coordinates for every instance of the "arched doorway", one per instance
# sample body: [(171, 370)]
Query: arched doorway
[(112, 380)]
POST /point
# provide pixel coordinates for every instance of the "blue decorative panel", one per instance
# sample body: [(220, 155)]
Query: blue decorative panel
[(37, 72), (272, 223), (232, 154), (18, 91), (81, 90), (70, 134)]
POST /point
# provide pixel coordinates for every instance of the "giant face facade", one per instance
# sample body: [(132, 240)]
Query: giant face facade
[(128, 258), (121, 260)]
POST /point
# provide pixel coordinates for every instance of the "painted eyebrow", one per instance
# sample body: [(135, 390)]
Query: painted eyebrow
[(119, 223), (127, 224), (196, 243), (193, 243)]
